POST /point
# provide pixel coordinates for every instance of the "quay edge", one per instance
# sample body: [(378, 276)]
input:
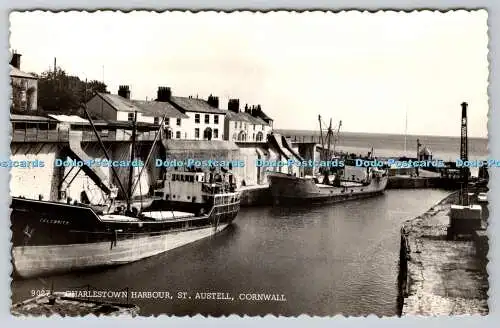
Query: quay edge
[(460, 263)]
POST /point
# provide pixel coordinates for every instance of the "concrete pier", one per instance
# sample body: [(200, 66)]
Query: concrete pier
[(439, 276)]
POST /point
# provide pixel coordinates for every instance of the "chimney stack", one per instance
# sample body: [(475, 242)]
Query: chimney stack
[(124, 91), (234, 105), (16, 60), (248, 110), (164, 94), (256, 111), (213, 101)]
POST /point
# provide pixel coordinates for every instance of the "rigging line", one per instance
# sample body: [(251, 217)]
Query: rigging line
[(170, 192), (157, 135)]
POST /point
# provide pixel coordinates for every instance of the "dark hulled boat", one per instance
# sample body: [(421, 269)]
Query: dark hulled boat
[(289, 189), (330, 184), (54, 237), (50, 237)]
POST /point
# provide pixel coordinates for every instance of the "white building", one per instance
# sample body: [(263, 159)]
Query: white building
[(247, 125), (205, 119), (120, 107)]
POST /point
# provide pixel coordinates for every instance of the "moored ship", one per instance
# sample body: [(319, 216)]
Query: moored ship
[(53, 237), (289, 189), (329, 184)]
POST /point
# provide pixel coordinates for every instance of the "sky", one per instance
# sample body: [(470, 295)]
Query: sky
[(370, 70)]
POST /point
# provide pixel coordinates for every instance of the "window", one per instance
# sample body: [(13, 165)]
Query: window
[(167, 121), (216, 133), (216, 119), (241, 124), (254, 127), (196, 133), (207, 134), (131, 117), (156, 120), (253, 136), (235, 125), (260, 136), (178, 122), (207, 118), (197, 118), (245, 126), (178, 134), (262, 127), (242, 136)]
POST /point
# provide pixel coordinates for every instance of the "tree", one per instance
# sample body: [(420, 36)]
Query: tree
[(17, 91), (59, 92)]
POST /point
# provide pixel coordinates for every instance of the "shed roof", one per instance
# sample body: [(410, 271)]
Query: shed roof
[(69, 119), (30, 118)]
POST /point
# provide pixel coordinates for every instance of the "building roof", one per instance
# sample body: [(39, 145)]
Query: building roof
[(119, 103), (74, 119), (159, 108), (30, 118), (264, 116), (196, 105), (148, 108), (18, 73), (245, 117)]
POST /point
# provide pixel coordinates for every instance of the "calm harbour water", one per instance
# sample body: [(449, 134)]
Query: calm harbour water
[(326, 260)]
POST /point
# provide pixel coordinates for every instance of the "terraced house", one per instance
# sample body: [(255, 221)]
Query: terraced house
[(248, 125), (120, 107)]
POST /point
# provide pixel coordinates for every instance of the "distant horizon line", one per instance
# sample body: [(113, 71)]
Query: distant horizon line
[(388, 133)]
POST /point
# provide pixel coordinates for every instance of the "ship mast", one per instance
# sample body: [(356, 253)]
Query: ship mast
[(321, 136), (329, 134), (336, 137), (131, 168), (464, 155)]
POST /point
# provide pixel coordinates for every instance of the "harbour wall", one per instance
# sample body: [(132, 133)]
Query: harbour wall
[(428, 258), (48, 181)]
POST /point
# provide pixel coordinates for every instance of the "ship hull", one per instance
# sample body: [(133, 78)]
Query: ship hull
[(51, 238), (33, 261), (291, 190)]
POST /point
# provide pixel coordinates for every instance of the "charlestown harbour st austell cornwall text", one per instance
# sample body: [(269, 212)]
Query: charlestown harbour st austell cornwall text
[(159, 190)]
